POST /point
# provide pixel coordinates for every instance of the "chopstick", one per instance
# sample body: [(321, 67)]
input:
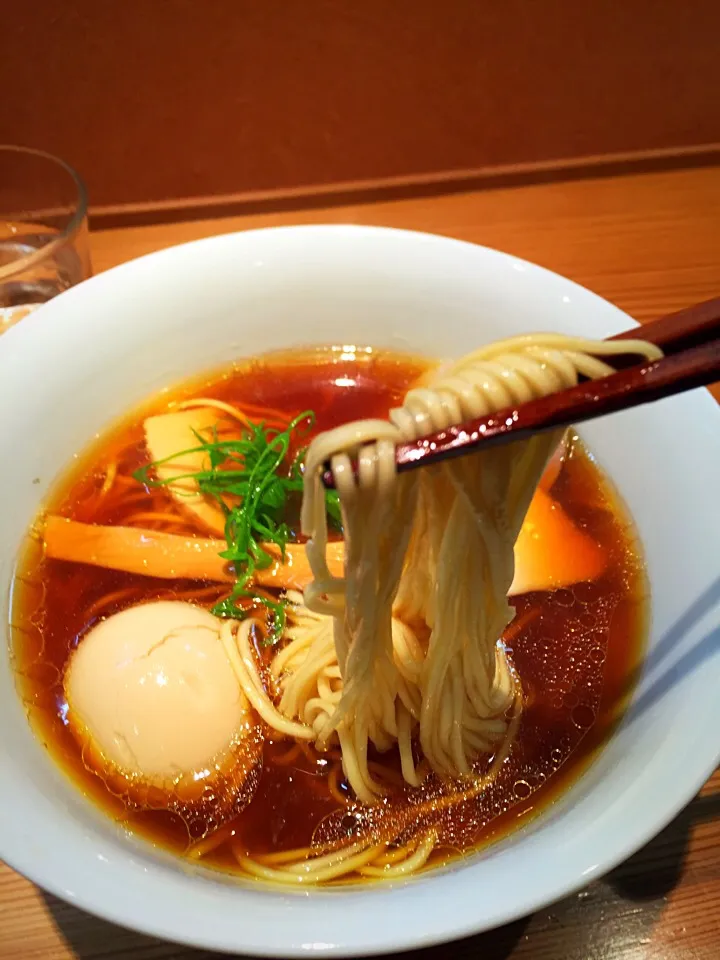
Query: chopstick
[(690, 340), (677, 331)]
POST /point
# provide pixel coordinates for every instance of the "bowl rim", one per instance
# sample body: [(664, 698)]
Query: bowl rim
[(566, 880)]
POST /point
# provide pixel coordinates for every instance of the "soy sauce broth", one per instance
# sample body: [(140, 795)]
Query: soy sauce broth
[(576, 650)]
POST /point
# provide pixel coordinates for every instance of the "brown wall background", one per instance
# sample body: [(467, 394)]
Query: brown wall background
[(166, 100)]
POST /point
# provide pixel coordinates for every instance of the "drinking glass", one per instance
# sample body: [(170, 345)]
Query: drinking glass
[(43, 230)]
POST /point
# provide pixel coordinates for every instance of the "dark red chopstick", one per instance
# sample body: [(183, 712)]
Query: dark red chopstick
[(677, 331), (691, 341), (629, 388)]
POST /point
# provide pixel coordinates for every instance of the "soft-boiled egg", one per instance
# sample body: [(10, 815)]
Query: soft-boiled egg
[(153, 698)]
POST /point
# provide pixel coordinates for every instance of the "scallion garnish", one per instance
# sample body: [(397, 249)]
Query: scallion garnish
[(252, 482)]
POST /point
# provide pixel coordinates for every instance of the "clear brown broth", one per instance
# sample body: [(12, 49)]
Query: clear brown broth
[(576, 655)]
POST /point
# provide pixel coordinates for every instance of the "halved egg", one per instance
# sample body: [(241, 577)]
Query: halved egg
[(156, 704)]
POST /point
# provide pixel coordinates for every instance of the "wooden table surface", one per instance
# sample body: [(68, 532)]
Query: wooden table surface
[(650, 243)]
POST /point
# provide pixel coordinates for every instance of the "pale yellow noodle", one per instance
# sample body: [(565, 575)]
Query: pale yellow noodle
[(472, 507), (283, 856), (215, 840), (227, 408), (249, 680), (309, 865), (309, 876), (410, 864)]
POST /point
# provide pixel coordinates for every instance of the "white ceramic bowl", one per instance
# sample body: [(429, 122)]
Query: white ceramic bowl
[(92, 353)]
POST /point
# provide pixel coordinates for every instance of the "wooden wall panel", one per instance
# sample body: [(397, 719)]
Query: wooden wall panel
[(165, 100)]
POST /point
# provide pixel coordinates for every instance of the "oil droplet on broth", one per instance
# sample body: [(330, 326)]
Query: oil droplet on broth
[(521, 789)]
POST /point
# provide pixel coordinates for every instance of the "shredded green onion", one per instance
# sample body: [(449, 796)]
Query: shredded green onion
[(254, 469)]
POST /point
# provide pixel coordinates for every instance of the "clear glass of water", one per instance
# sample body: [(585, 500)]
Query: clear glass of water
[(43, 230)]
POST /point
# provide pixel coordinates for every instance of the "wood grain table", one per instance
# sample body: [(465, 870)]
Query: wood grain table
[(650, 243)]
